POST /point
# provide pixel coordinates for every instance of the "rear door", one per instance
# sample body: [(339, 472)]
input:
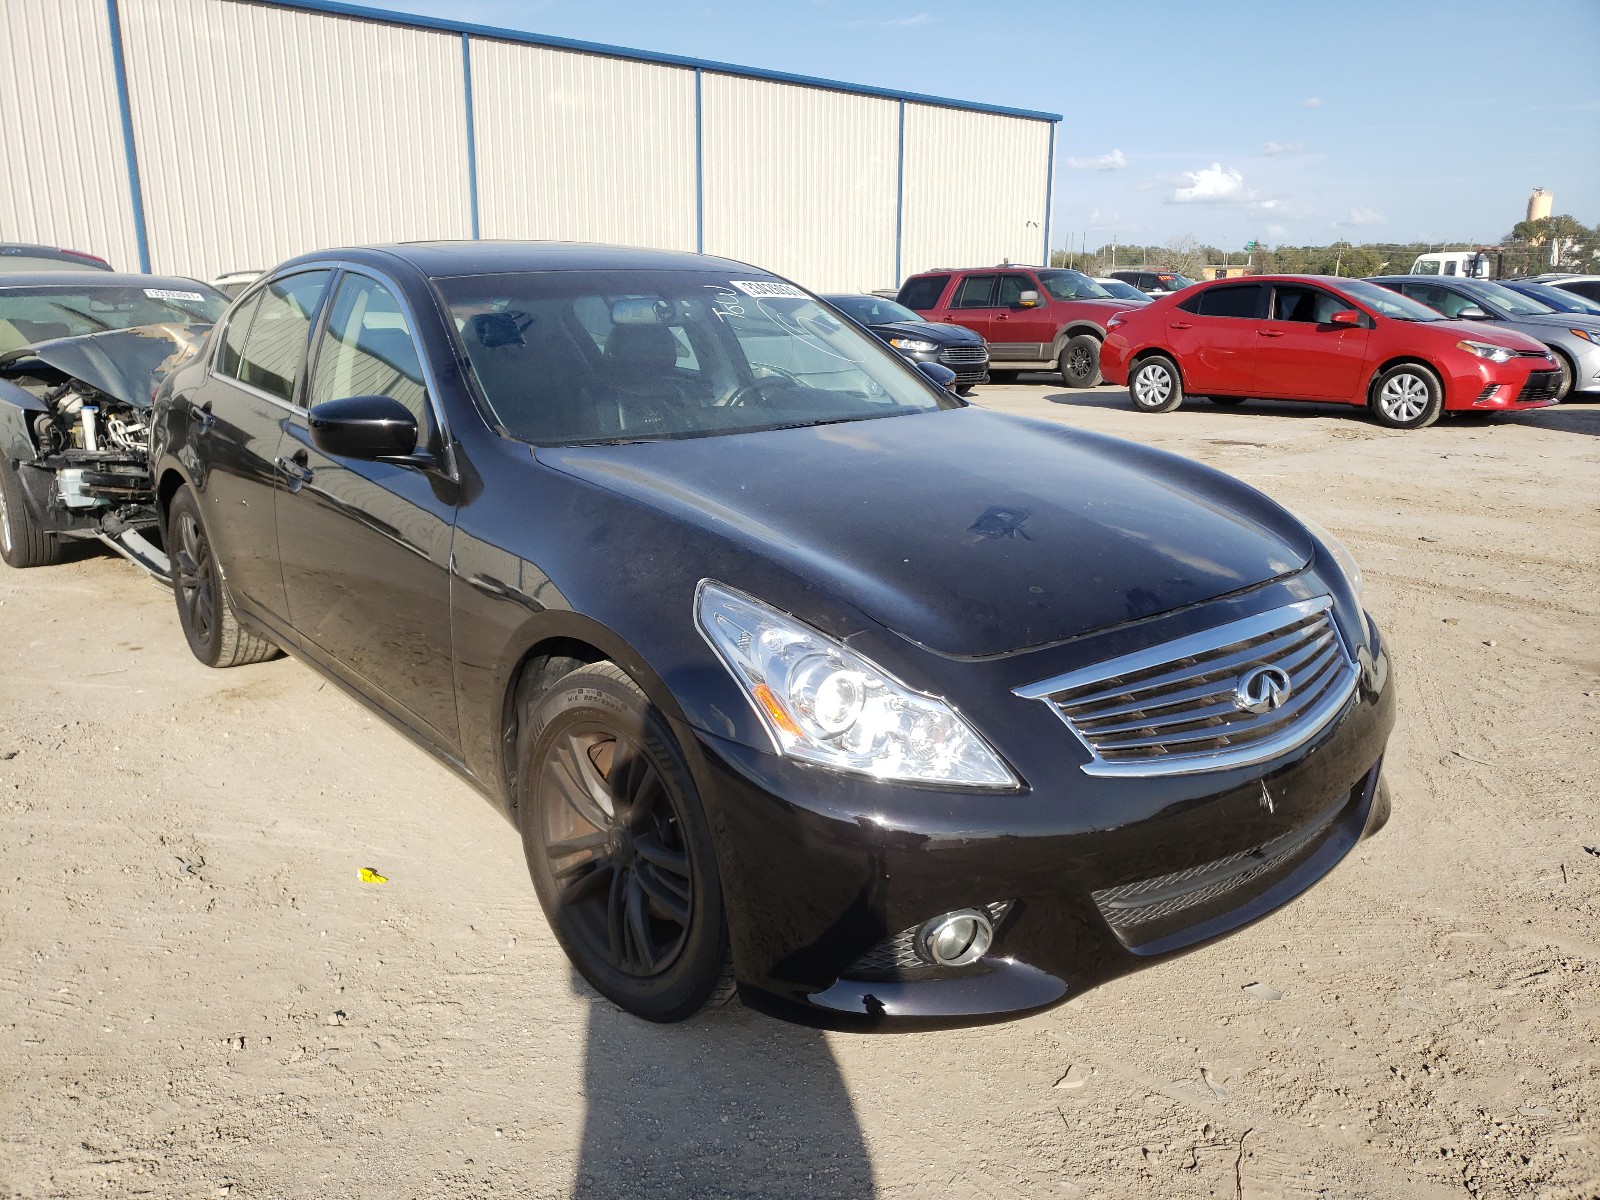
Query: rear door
[(1214, 336), (366, 545), (1304, 356), (972, 305)]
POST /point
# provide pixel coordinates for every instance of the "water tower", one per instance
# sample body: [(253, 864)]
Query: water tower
[(1539, 204)]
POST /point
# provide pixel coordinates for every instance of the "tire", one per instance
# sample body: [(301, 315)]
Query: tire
[(1407, 396), (22, 543), (619, 847), (1226, 401), (1155, 385), (965, 389), (1080, 361), (204, 608), (1003, 376), (1564, 365)]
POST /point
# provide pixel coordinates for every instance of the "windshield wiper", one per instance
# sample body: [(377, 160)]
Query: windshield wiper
[(67, 308)]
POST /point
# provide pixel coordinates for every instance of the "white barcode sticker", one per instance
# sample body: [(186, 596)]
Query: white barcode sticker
[(163, 294), (767, 289)]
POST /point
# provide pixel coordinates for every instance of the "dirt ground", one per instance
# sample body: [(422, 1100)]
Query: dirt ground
[(201, 998)]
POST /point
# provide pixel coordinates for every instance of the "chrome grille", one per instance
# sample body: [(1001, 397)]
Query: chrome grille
[(964, 354), (899, 953), (1177, 708)]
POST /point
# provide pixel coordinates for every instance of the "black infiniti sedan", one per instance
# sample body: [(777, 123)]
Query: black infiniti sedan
[(919, 339), (797, 674)]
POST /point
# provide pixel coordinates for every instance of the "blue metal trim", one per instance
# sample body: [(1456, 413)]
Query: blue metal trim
[(699, 170), (1049, 193), (472, 132), (900, 194), (135, 191), (338, 9)]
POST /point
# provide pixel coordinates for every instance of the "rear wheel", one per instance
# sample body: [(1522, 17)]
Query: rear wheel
[(1407, 396), (619, 847), (22, 542), (1154, 386), (204, 609), (1080, 361), (1226, 401)]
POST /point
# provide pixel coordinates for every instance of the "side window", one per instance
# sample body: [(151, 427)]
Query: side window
[(1234, 300), (1426, 266), (976, 291), (1012, 287), (1307, 304), (366, 349), (277, 341), (923, 293), (1442, 299), (233, 336), (1450, 267)]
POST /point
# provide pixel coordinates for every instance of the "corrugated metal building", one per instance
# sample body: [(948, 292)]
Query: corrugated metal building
[(196, 137)]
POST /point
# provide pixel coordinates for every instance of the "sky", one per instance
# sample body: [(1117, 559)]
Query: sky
[(1289, 123)]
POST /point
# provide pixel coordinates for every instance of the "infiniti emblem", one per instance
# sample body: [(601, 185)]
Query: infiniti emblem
[(1262, 690)]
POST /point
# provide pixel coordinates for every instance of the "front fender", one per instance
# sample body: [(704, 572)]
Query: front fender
[(18, 407)]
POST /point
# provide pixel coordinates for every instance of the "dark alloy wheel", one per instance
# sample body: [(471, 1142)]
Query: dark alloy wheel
[(619, 849), (1080, 361), (204, 609)]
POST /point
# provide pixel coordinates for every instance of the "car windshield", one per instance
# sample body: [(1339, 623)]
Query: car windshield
[(1072, 285), (874, 310), (1567, 302), (40, 312), (576, 357), (1509, 302), (1173, 283), (1390, 304), (1119, 289)]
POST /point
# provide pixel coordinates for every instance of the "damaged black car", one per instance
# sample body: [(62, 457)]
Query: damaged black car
[(80, 354)]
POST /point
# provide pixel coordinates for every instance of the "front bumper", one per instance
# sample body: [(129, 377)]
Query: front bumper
[(970, 363), (823, 870)]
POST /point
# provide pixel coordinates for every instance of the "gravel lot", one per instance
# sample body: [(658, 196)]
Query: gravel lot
[(200, 997)]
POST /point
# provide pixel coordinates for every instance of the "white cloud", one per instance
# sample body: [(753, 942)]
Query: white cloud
[(1281, 147), (1312, 102), (1362, 216), (1215, 184), (1277, 232), (1114, 161), (920, 18)]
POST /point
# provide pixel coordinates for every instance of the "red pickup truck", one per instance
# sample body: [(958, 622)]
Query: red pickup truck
[(1034, 319)]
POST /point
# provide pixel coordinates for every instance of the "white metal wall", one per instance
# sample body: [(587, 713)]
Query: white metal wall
[(974, 188), (63, 171), (801, 181), (581, 147), (264, 133)]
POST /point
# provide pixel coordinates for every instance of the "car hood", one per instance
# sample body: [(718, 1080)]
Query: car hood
[(1556, 320), (969, 532), (1496, 333), (932, 331), (125, 364)]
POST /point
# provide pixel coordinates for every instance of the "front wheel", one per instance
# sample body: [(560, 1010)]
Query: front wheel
[(1564, 384), (204, 610), (1080, 361), (619, 847), (22, 542), (1155, 386), (1407, 396)]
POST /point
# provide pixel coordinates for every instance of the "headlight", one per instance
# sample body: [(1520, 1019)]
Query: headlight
[(1341, 555), (915, 345), (1486, 350), (828, 705)]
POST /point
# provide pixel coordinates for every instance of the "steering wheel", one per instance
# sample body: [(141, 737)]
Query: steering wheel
[(742, 395)]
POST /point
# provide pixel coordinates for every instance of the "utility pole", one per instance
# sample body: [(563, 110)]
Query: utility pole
[(1113, 252)]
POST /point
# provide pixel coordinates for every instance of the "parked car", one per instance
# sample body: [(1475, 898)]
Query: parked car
[(1121, 289), (80, 352), (1554, 297), (1153, 282), (920, 340), (784, 660), (1587, 286), (1575, 340), (1034, 319), (1307, 337), (22, 257)]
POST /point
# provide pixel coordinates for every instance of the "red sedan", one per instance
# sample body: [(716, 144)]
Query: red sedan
[(1307, 337)]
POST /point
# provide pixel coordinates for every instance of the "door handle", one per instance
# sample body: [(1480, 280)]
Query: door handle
[(203, 418), (1181, 325), (1003, 317), (296, 469), (1270, 332)]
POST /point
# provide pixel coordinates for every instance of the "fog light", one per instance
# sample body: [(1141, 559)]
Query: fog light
[(955, 939)]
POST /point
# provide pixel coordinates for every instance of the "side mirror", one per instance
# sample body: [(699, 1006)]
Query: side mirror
[(1029, 299), (375, 428), (1472, 313), (1345, 316), (938, 374)]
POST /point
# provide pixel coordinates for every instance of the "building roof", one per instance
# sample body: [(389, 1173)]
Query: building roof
[(360, 12)]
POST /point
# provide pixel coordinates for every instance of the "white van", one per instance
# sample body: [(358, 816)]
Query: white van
[(1473, 264)]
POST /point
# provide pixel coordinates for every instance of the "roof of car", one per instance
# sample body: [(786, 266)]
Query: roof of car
[(87, 280), (1467, 279), (469, 257)]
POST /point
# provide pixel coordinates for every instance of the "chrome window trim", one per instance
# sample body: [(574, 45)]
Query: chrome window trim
[(1309, 724)]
